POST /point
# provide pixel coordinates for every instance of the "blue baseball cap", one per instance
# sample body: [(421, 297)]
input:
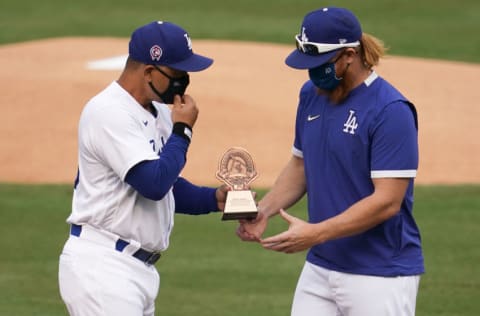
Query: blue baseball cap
[(167, 44), (322, 34)]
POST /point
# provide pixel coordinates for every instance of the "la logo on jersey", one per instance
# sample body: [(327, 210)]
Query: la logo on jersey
[(351, 123)]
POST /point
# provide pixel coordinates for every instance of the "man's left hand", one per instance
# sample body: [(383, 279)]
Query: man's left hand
[(299, 236)]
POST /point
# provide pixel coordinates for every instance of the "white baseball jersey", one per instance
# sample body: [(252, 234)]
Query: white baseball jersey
[(115, 134)]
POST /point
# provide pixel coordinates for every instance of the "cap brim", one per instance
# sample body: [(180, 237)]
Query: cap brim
[(193, 63), (299, 60)]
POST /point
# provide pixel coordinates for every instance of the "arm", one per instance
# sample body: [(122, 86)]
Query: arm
[(154, 178), (367, 213), (372, 210), (289, 187), (196, 200)]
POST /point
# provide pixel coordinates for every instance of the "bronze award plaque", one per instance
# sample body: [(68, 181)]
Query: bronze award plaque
[(237, 170)]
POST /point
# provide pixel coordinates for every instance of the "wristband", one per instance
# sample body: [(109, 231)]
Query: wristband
[(183, 130)]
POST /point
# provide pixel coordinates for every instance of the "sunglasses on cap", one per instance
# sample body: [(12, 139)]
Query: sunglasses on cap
[(312, 48)]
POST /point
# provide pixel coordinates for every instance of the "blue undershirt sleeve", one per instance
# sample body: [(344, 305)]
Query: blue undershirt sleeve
[(192, 199), (154, 178)]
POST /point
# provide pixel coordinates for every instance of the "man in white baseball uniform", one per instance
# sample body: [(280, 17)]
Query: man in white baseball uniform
[(131, 150)]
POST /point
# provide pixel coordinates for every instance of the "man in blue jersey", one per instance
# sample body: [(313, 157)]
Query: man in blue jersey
[(355, 155)]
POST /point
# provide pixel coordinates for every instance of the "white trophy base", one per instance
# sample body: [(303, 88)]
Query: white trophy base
[(239, 205)]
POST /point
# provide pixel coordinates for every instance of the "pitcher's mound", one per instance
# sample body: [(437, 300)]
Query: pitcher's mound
[(248, 98)]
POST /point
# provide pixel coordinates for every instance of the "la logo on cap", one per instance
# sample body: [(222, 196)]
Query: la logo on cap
[(167, 44), (189, 41), (304, 37)]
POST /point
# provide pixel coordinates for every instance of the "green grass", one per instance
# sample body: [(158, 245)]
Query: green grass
[(31, 238), (430, 28), (449, 221), (208, 271)]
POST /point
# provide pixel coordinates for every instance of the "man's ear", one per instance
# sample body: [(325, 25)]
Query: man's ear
[(147, 72)]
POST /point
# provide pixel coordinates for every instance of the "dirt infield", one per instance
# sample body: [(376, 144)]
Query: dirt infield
[(247, 98)]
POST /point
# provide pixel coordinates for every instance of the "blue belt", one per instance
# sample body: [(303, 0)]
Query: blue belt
[(141, 254)]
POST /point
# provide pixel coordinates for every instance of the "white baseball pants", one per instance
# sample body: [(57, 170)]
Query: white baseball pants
[(322, 292), (97, 280)]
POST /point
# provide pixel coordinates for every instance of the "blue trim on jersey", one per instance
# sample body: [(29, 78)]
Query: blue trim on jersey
[(154, 178), (192, 199), (374, 129), (77, 179)]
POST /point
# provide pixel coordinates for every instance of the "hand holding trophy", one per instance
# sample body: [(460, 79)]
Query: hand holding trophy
[(237, 170)]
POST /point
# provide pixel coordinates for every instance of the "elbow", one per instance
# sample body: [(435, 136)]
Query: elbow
[(391, 208), (155, 195)]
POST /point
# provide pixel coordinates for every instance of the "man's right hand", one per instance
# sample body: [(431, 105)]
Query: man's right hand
[(252, 230), (184, 110)]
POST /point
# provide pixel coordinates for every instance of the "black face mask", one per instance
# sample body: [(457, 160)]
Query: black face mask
[(175, 86)]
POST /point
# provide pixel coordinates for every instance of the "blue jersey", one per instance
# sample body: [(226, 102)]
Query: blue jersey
[(371, 134)]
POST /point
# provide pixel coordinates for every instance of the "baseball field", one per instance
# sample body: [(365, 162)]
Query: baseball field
[(56, 55)]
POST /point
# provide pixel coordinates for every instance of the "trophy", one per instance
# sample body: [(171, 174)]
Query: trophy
[(237, 170)]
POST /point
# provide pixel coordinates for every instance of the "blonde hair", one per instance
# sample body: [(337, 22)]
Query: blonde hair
[(372, 49)]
